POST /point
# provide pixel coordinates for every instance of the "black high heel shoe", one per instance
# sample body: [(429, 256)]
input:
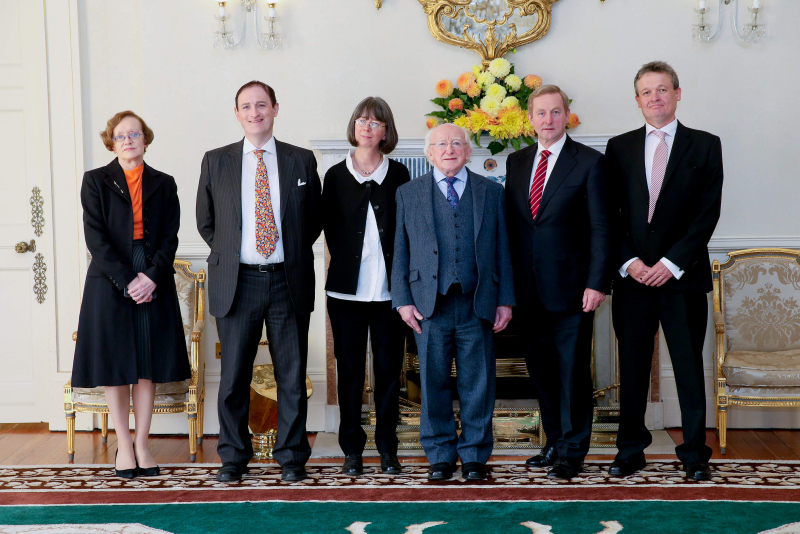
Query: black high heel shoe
[(125, 473), (146, 471)]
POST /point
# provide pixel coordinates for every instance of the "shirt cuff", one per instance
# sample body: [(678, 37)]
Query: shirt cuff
[(674, 269), (623, 271)]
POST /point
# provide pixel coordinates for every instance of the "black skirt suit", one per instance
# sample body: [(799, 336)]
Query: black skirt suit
[(105, 353), (346, 202)]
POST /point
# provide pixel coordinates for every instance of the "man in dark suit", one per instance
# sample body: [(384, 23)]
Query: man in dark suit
[(258, 205), (452, 283), (667, 181), (560, 240)]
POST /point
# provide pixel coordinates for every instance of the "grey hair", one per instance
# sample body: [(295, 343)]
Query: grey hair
[(429, 136)]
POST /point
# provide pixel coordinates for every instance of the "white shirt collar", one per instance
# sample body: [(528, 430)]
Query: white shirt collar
[(669, 129), (269, 146), (377, 175), (555, 148), (461, 175)]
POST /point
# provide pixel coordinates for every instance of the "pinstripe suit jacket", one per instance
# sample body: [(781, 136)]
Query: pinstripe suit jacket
[(219, 221)]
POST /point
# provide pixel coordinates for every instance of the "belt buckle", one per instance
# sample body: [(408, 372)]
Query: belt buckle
[(264, 268)]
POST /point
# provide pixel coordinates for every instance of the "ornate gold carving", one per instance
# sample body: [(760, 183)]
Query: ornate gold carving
[(22, 247), (378, 4), (37, 213), (491, 46), (39, 278)]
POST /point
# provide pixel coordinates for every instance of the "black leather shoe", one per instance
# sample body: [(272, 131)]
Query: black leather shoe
[(231, 472), (473, 471), (624, 468), (441, 471), (353, 465), (146, 471), (124, 473), (293, 471), (390, 465), (697, 471), (565, 468), (545, 458)]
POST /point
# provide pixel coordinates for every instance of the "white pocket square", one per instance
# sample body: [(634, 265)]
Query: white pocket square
[(299, 183)]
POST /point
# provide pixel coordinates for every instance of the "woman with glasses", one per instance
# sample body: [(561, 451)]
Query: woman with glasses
[(129, 313), (359, 222)]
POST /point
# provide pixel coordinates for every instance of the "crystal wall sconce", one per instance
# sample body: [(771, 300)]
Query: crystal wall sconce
[(224, 37), (752, 32)]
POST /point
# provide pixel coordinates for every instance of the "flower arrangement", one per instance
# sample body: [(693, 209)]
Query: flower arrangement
[(494, 101)]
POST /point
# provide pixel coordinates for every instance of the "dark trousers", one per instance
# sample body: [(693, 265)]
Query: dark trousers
[(263, 297), (559, 360), (454, 331), (637, 310), (350, 323)]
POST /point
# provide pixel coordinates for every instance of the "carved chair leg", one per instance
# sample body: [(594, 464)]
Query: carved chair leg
[(104, 427), (192, 437), (723, 428), (71, 436), (200, 412)]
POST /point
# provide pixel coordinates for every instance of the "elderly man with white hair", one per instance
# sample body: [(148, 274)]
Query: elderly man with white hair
[(452, 283)]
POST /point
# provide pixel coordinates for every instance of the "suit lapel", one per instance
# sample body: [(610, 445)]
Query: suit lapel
[(637, 161), (679, 146), (522, 186), (564, 164), (286, 175), (232, 174), (478, 200), (426, 202), (150, 182), (115, 179)]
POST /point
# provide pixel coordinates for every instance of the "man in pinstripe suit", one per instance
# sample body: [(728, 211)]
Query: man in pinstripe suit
[(258, 202)]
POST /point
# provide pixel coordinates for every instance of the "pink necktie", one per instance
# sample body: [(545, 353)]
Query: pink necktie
[(266, 230), (658, 170), (538, 184)]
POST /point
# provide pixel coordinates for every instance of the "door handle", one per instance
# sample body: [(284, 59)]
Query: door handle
[(22, 247)]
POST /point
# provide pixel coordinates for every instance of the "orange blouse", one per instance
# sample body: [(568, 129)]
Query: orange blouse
[(134, 179)]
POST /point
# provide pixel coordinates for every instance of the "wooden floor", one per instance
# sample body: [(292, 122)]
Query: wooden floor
[(34, 444)]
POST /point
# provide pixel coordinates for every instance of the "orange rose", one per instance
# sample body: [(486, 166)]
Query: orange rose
[(532, 82), (444, 88), (464, 81), (455, 104), (432, 122), (573, 121)]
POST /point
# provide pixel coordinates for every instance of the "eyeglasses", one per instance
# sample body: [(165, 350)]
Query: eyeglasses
[(374, 125), (455, 143), (133, 136)]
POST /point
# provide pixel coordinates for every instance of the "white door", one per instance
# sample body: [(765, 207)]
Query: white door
[(27, 296)]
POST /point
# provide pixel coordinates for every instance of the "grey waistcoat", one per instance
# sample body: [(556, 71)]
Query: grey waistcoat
[(456, 240)]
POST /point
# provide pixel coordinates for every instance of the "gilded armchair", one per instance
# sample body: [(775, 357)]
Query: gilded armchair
[(176, 397), (757, 322)]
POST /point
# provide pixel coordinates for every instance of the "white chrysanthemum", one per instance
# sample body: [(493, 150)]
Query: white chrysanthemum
[(513, 82), (498, 92), (485, 79), (490, 105), (509, 102), (500, 67)]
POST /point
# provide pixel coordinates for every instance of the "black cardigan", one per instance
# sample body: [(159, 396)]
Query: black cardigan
[(345, 203)]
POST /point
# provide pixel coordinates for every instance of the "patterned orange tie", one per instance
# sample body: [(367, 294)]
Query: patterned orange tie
[(266, 230)]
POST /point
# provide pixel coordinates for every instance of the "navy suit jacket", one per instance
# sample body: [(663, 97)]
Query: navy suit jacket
[(416, 260)]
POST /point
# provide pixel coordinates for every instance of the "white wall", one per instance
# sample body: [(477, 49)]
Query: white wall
[(157, 58)]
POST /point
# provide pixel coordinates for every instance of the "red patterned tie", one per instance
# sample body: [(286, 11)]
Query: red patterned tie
[(266, 231), (538, 183), (657, 172)]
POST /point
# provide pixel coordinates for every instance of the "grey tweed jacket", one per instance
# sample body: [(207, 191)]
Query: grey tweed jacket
[(416, 259)]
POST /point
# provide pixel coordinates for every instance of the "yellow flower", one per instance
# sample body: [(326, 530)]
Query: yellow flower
[(573, 121), (498, 92), (476, 70), (513, 82), (444, 88), (463, 121), (485, 79), (455, 104), (510, 102), (478, 120), (500, 67), (490, 105), (532, 82), (464, 81), (432, 122), (510, 123), (473, 90)]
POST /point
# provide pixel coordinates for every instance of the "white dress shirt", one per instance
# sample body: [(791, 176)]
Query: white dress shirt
[(650, 144), (249, 253), (459, 185), (555, 149), (373, 283)]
